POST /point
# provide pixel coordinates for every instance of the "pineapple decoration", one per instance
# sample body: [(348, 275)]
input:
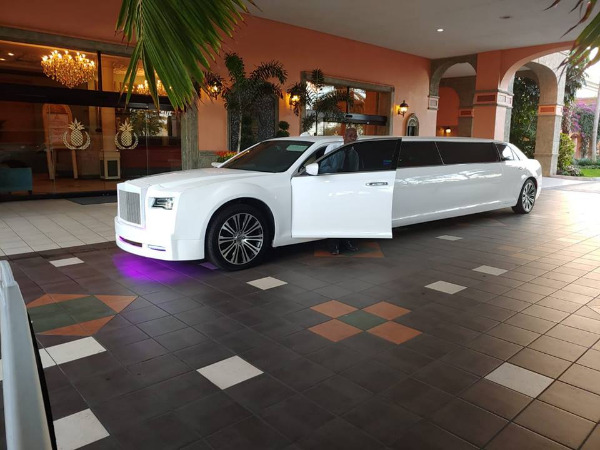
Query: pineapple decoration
[(76, 140), (128, 139)]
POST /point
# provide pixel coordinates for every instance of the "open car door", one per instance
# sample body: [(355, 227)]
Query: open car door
[(351, 197)]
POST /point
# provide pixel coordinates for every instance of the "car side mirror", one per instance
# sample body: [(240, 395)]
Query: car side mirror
[(216, 164), (312, 169)]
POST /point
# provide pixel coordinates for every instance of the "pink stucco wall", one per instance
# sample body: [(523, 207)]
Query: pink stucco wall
[(300, 49), (448, 107)]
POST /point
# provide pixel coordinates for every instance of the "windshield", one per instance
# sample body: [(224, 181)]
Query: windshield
[(269, 156)]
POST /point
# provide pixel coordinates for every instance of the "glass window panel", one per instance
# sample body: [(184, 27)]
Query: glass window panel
[(419, 153), (366, 156), (467, 152)]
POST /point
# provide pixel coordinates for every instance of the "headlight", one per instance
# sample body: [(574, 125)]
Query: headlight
[(163, 202)]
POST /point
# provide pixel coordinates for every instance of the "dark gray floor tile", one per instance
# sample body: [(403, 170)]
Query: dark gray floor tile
[(259, 392), (517, 437), (296, 417), (339, 435), (426, 435), (163, 432), (496, 398), (417, 397), (469, 422), (337, 394), (446, 377), (251, 434), (301, 373), (176, 340)]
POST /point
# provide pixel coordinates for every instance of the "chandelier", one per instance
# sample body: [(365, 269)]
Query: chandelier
[(68, 69), (144, 89)]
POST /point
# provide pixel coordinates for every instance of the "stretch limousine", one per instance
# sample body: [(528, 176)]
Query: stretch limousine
[(285, 191)]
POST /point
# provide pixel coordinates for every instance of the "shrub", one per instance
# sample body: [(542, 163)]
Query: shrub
[(572, 171), (586, 162), (283, 129), (566, 150)]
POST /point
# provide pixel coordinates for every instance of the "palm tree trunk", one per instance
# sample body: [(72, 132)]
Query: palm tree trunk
[(239, 139), (594, 148)]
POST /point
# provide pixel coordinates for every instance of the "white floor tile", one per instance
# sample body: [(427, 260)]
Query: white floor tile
[(266, 283), (443, 286), (78, 430), (44, 357), (229, 372), (66, 262), (446, 237), (73, 350), (490, 270), (520, 380)]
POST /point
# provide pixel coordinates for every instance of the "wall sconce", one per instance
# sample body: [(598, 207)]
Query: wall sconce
[(448, 130), (214, 88), (402, 108), (294, 100)]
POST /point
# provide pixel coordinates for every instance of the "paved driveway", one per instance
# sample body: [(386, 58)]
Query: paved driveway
[(477, 332)]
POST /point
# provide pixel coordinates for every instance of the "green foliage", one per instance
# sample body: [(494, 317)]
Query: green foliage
[(589, 38), (174, 40), (566, 151), (146, 123), (283, 129), (244, 92), (586, 162), (523, 124), (321, 106), (583, 123), (591, 173)]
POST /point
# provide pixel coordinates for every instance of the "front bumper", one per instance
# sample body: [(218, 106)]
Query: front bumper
[(164, 246)]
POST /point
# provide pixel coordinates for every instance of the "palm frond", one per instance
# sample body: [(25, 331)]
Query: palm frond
[(235, 66), (588, 39), (267, 70), (175, 41)]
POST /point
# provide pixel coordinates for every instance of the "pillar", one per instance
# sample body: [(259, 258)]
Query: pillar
[(547, 140)]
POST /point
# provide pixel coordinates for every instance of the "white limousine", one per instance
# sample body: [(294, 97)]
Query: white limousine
[(285, 191)]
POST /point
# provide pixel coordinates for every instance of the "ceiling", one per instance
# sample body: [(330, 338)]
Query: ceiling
[(470, 26)]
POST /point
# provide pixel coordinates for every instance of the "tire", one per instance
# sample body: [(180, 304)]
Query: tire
[(238, 237), (526, 199)]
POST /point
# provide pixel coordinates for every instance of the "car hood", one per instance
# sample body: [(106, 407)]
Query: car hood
[(187, 179)]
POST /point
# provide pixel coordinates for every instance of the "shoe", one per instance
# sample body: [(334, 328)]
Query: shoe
[(350, 247)]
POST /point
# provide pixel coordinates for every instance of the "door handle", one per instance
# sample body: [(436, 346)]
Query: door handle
[(377, 183)]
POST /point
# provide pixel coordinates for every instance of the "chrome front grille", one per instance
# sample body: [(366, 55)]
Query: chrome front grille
[(129, 207)]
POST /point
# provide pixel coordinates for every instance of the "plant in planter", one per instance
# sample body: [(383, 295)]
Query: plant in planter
[(224, 156), (283, 129), (246, 91), (319, 103)]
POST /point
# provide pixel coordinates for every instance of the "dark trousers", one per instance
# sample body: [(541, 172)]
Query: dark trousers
[(335, 243)]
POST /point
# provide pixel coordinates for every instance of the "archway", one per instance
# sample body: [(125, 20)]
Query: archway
[(549, 76), (451, 91)]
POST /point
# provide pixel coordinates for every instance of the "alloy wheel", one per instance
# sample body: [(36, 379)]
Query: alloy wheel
[(240, 238), (528, 197)]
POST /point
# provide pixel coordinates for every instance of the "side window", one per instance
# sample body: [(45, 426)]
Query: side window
[(312, 158), (453, 152), (506, 154), (365, 156), (419, 153)]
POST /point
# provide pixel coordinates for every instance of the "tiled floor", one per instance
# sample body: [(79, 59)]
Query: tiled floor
[(478, 332), (39, 225)]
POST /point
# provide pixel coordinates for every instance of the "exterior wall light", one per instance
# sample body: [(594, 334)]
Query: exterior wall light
[(214, 88), (402, 108), (448, 130)]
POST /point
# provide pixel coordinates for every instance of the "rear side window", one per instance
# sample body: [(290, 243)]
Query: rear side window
[(506, 153), (419, 153), (467, 152), (368, 156)]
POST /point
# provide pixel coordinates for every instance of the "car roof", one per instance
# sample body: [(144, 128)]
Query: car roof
[(404, 138)]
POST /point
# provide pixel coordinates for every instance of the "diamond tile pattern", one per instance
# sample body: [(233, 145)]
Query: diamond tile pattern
[(333, 308), (334, 330)]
